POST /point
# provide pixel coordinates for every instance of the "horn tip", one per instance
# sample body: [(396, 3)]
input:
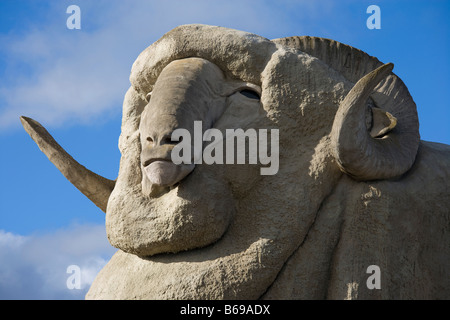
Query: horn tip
[(23, 119), (26, 120), (30, 125)]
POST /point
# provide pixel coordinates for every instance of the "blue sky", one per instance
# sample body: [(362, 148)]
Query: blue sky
[(73, 82)]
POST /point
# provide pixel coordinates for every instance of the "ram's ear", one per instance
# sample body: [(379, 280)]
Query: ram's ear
[(382, 122), (93, 186)]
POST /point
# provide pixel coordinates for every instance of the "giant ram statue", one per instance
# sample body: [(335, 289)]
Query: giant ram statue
[(355, 188)]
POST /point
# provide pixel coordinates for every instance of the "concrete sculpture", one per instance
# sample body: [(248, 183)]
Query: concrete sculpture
[(355, 186)]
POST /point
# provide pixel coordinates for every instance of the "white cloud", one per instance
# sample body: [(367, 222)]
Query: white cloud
[(35, 267)]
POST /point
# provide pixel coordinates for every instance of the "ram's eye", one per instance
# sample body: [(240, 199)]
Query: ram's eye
[(250, 94)]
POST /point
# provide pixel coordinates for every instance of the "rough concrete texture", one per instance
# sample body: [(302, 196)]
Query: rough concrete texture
[(356, 186)]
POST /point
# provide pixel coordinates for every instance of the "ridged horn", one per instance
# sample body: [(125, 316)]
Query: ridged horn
[(93, 186), (356, 151), (368, 153)]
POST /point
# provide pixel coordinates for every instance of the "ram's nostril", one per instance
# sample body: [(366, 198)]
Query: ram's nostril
[(149, 139)]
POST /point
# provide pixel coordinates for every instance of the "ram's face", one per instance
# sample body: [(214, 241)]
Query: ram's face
[(181, 206), (186, 91)]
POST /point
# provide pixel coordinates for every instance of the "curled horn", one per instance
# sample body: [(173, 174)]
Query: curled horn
[(384, 147), (93, 186), (383, 155)]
